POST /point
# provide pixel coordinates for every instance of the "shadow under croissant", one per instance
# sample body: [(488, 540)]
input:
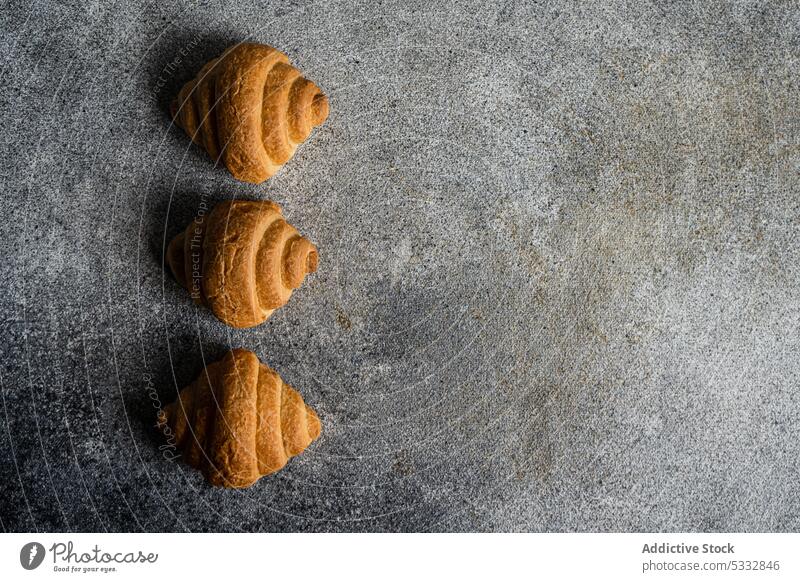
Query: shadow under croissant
[(177, 63), (165, 378), (175, 210)]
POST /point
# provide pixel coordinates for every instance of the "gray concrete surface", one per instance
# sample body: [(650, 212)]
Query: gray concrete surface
[(558, 286)]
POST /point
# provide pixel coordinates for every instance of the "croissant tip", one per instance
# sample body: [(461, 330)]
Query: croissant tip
[(314, 424), (162, 419), (312, 261), (241, 355), (321, 108), (217, 479)]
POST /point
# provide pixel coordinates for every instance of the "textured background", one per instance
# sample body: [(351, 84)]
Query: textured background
[(558, 286)]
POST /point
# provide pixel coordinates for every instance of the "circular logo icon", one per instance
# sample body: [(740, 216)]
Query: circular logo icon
[(31, 555)]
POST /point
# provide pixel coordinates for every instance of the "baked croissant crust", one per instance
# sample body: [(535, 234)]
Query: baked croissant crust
[(243, 260), (239, 421), (251, 108)]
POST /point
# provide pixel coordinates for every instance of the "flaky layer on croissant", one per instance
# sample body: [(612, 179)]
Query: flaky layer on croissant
[(239, 421), (243, 260), (252, 108)]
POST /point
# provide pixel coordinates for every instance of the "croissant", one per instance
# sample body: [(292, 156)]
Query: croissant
[(252, 108), (243, 260), (239, 421)]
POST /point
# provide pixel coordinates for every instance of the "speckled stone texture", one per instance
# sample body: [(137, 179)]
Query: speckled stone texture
[(558, 285)]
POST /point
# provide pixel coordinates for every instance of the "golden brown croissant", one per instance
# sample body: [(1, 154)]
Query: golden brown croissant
[(251, 107), (243, 260), (238, 421)]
